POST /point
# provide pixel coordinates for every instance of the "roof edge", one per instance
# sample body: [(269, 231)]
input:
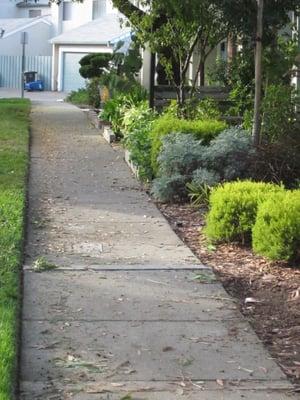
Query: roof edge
[(29, 25)]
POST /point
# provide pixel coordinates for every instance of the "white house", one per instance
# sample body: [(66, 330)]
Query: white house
[(82, 28), (24, 9), (69, 47), (39, 31), (65, 32)]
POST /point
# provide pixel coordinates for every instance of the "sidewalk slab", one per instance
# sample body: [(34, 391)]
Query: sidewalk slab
[(145, 350), (127, 296), (182, 390)]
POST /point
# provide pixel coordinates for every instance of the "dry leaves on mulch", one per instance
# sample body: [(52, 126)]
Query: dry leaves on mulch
[(269, 293)]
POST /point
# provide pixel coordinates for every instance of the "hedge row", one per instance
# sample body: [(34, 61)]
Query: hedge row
[(264, 213)]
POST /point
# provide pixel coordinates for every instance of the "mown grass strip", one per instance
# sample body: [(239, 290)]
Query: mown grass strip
[(14, 139)]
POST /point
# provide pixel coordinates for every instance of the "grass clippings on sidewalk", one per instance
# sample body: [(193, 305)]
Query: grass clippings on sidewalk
[(274, 287), (14, 137)]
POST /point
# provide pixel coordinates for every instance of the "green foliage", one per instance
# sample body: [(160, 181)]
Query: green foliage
[(276, 233), (115, 108), (79, 97), (284, 50), (278, 113), (172, 29), (137, 124), (218, 74), (233, 209), (238, 75), (94, 65), (115, 71), (205, 130), (112, 112), (130, 63), (278, 108), (242, 16), (200, 187), (14, 136), (198, 194), (93, 92), (195, 109)]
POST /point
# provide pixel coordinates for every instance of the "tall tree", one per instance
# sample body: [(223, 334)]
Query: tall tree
[(258, 74), (175, 30)]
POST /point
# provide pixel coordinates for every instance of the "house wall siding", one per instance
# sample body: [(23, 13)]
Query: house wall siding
[(38, 41), (11, 68)]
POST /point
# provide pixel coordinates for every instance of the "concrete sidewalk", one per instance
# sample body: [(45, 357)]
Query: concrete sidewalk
[(123, 312)]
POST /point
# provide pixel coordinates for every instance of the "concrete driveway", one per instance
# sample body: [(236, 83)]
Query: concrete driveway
[(33, 96)]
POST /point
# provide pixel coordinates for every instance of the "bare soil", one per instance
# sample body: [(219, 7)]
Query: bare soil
[(268, 292)]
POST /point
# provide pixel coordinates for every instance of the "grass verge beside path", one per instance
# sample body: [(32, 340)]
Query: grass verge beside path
[(14, 139)]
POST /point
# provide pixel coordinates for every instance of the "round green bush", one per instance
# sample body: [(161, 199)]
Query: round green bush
[(276, 233), (233, 209)]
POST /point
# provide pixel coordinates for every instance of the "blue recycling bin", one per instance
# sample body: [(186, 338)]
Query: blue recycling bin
[(36, 85), (31, 82)]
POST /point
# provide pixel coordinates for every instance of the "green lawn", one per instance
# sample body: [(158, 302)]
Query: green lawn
[(14, 136)]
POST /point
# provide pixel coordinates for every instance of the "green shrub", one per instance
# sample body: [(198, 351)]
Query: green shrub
[(205, 130), (112, 112), (137, 123), (94, 65), (93, 92), (233, 209), (195, 109), (276, 233), (278, 113), (79, 97), (114, 109)]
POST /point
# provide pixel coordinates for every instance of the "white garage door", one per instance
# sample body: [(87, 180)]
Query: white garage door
[(72, 80)]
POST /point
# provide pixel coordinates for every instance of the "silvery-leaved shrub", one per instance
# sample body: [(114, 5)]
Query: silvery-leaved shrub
[(180, 154), (169, 189), (229, 154), (203, 176)]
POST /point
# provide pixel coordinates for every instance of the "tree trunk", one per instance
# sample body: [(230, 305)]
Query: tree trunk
[(202, 71), (258, 75), (231, 48), (152, 81), (181, 100)]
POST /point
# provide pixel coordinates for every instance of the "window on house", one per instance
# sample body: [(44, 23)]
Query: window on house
[(67, 11), (99, 8), (35, 13)]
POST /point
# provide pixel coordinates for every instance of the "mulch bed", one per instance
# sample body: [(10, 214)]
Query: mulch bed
[(273, 288)]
